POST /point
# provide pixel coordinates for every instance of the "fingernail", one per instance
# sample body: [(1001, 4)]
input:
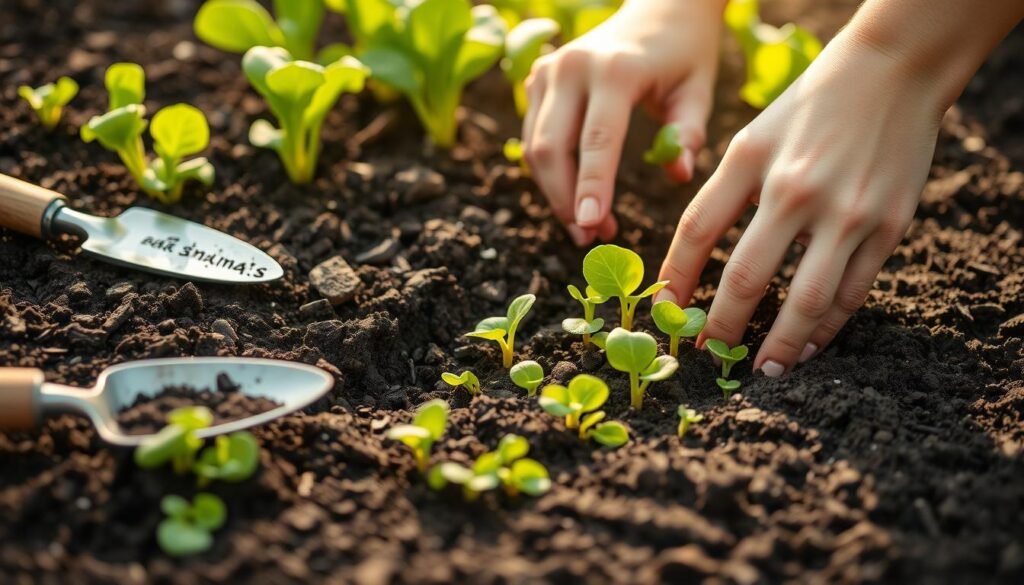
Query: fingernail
[(808, 352), (772, 369), (587, 211), (578, 234), (665, 295), (688, 162)]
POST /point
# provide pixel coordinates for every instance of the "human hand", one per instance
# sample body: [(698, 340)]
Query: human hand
[(663, 53), (839, 160)]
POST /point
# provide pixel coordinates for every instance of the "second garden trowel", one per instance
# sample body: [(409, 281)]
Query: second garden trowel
[(138, 238)]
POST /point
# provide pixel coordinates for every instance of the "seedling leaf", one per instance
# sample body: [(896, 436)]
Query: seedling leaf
[(629, 351), (610, 434), (126, 84), (48, 101), (512, 447), (433, 416), (527, 375), (236, 25), (660, 369), (577, 326), (530, 477), (666, 147), (467, 379)]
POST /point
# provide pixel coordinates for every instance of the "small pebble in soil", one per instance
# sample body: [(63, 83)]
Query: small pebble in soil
[(335, 280), (318, 309), (224, 327), (119, 290), (420, 183), (563, 372), (382, 252)]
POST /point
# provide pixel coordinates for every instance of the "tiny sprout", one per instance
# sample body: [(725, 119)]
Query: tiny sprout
[(507, 466), (426, 428), (613, 271), (687, 417), (727, 386), (232, 458), (729, 357), (637, 355), (524, 44), (177, 442), (503, 329), (676, 322), (666, 147), (527, 375), (48, 101), (588, 325), (188, 527), (467, 379), (513, 151), (585, 394)]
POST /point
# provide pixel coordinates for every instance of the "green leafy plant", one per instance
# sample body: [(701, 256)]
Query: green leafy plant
[(676, 322), (775, 56), (524, 44), (588, 325), (239, 25), (177, 442), (728, 356), (48, 101), (429, 51), (578, 404), (727, 386), (427, 427), (528, 375), (636, 353), (666, 147), (231, 458), (687, 417), (188, 528), (506, 466), (467, 379), (503, 329), (178, 131), (575, 17), (613, 271), (299, 94)]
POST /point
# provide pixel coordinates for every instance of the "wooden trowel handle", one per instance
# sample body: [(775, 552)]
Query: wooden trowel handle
[(23, 205), (19, 398)]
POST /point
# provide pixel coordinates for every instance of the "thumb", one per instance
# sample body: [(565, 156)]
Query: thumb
[(688, 108)]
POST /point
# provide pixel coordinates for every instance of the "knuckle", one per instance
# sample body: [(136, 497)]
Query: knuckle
[(740, 278), (813, 299), (596, 137), (851, 298), (892, 231), (619, 67), (786, 342), (746, 147), (721, 329), (693, 229), (793, 189), (570, 60), (855, 218), (539, 152)]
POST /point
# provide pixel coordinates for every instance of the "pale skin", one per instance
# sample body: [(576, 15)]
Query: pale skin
[(838, 162)]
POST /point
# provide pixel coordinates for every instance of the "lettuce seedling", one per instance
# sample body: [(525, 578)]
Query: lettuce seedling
[(687, 417), (177, 442), (637, 354), (524, 44), (585, 394), (503, 329), (427, 427), (575, 17), (676, 322), (188, 528), (528, 375), (507, 466), (588, 325), (299, 94), (239, 25), (613, 271), (666, 147), (729, 357), (48, 101), (727, 386), (430, 52), (775, 56), (231, 458), (467, 379)]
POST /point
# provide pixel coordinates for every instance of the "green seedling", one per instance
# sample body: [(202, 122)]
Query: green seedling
[(239, 25), (524, 44), (578, 404), (177, 131), (512, 11), (429, 51), (588, 325), (188, 528), (666, 147), (507, 466), (613, 271), (575, 17), (503, 329), (467, 379), (513, 151), (775, 57), (48, 101), (687, 417), (676, 322), (528, 375), (426, 428), (231, 458), (729, 357), (727, 386), (177, 442), (299, 94), (637, 355)]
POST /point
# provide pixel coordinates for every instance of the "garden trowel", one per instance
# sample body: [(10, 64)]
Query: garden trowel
[(138, 238)]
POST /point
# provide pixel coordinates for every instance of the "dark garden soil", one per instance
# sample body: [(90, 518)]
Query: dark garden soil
[(895, 457)]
